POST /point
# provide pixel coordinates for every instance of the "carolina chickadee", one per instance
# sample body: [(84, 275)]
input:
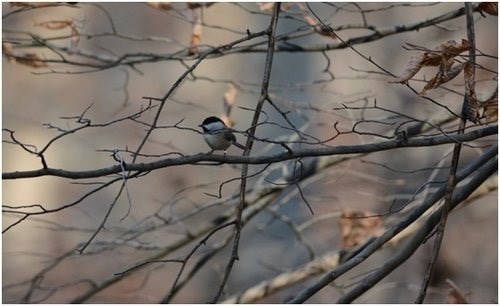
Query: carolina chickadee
[(217, 135)]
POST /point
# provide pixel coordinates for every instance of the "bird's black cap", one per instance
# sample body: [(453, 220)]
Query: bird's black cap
[(211, 119)]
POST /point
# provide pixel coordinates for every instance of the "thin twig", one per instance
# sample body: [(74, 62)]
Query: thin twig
[(244, 172)]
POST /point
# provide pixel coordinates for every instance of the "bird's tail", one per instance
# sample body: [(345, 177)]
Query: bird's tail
[(239, 145)]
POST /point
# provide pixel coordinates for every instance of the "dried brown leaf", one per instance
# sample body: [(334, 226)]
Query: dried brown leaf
[(454, 70), (412, 67), (314, 23), (473, 106), (30, 59), (441, 56), (8, 51), (195, 38), (7, 48), (490, 112), (56, 24), (445, 74), (433, 83), (311, 20), (490, 108), (165, 6), (451, 48), (432, 59), (488, 7), (195, 5), (229, 99), (356, 227)]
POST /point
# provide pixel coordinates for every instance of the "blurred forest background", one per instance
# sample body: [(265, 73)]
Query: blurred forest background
[(109, 65)]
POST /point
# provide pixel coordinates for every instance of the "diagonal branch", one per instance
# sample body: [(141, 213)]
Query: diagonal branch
[(421, 235), (325, 280)]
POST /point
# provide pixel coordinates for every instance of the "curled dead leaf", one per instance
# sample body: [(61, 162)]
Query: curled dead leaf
[(195, 5), (28, 58), (195, 39), (55, 24), (451, 48), (412, 67), (488, 7), (444, 75), (31, 60), (442, 56), (229, 99), (165, 6), (314, 23), (490, 112), (490, 108), (472, 106), (8, 52)]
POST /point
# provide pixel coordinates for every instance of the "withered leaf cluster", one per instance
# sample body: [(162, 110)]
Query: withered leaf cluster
[(445, 58), (490, 8), (34, 60), (30, 59), (197, 28), (229, 100)]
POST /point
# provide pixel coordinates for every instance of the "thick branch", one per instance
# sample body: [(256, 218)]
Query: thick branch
[(489, 156), (423, 141), (411, 246)]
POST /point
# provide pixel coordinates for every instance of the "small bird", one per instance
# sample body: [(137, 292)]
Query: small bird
[(217, 135)]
